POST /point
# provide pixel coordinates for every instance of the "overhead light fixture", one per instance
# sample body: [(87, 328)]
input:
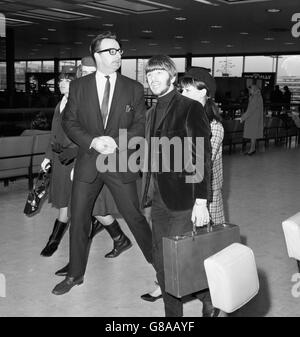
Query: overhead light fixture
[(229, 45), (180, 18), (177, 47), (152, 44), (178, 37), (269, 38), (205, 41), (108, 24), (207, 2), (273, 10), (147, 31), (289, 43), (91, 35), (51, 29), (244, 33), (124, 40), (44, 38), (71, 12), (216, 26)]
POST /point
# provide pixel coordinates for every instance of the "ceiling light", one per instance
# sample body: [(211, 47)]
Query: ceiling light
[(269, 38), (51, 29), (152, 44), (91, 35), (289, 43), (229, 45), (244, 33), (147, 31), (205, 41), (108, 24), (124, 40), (177, 47), (180, 18), (178, 37), (44, 38), (216, 26), (273, 10)]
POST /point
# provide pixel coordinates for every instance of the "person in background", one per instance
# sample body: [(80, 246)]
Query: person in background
[(287, 95), (253, 118), (60, 155)]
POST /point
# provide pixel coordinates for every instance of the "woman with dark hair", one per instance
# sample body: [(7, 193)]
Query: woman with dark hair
[(60, 155)]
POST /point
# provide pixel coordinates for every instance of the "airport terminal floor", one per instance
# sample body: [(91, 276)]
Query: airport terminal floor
[(260, 191)]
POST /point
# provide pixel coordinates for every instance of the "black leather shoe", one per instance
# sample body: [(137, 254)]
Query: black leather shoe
[(66, 285), (119, 246), (209, 311), (63, 271), (150, 298), (251, 153), (97, 227)]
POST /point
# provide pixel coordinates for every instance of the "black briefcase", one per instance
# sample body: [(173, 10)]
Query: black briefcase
[(184, 256)]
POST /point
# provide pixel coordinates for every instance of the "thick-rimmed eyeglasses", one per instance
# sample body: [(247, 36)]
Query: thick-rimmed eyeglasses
[(112, 51)]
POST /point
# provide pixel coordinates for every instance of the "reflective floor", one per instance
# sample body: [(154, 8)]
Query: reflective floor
[(259, 193)]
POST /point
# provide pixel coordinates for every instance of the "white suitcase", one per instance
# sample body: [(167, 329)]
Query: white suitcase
[(291, 230), (232, 277)]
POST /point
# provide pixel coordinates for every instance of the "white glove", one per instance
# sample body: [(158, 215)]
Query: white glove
[(45, 164), (72, 174), (200, 214)]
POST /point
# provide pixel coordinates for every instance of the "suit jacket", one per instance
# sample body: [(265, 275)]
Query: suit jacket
[(82, 121), (183, 118)]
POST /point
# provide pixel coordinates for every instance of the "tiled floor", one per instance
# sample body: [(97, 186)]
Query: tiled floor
[(259, 192)]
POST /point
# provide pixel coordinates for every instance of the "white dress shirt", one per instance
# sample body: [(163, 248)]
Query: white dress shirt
[(63, 103), (100, 82)]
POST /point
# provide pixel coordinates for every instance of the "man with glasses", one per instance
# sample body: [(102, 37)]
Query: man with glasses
[(99, 105)]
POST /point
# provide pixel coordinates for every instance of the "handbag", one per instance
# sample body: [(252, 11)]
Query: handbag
[(38, 193), (184, 256)]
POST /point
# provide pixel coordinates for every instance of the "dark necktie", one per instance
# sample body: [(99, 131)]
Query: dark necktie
[(104, 105)]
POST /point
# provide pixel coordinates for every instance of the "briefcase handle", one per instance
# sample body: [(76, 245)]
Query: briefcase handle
[(209, 227)]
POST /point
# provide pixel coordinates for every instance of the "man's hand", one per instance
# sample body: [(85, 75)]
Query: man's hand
[(67, 155), (200, 214), (104, 144)]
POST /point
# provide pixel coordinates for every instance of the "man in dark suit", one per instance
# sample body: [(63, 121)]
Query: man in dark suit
[(178, 197), (99, 106)]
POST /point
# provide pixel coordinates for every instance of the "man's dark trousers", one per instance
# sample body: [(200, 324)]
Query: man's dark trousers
[(83, 198)]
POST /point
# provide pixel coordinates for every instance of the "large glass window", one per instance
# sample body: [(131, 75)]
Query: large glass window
[(48, 66), (261, 64), (20, 70), (128, 68), (3, 76), (34, 66), (205, 62), (231, 66), (141, 76), (288, 74)]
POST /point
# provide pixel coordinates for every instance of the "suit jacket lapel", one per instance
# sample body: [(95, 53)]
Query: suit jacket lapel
[(94, 99)]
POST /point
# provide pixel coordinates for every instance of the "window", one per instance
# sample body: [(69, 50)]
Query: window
[(66, 63), (34, 66), (48, 66), (261, 64), (141, 76), (3, 85), (289, 74), (231, 66), (20, 70), (179, 63), (205, 62), (128, 68)]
